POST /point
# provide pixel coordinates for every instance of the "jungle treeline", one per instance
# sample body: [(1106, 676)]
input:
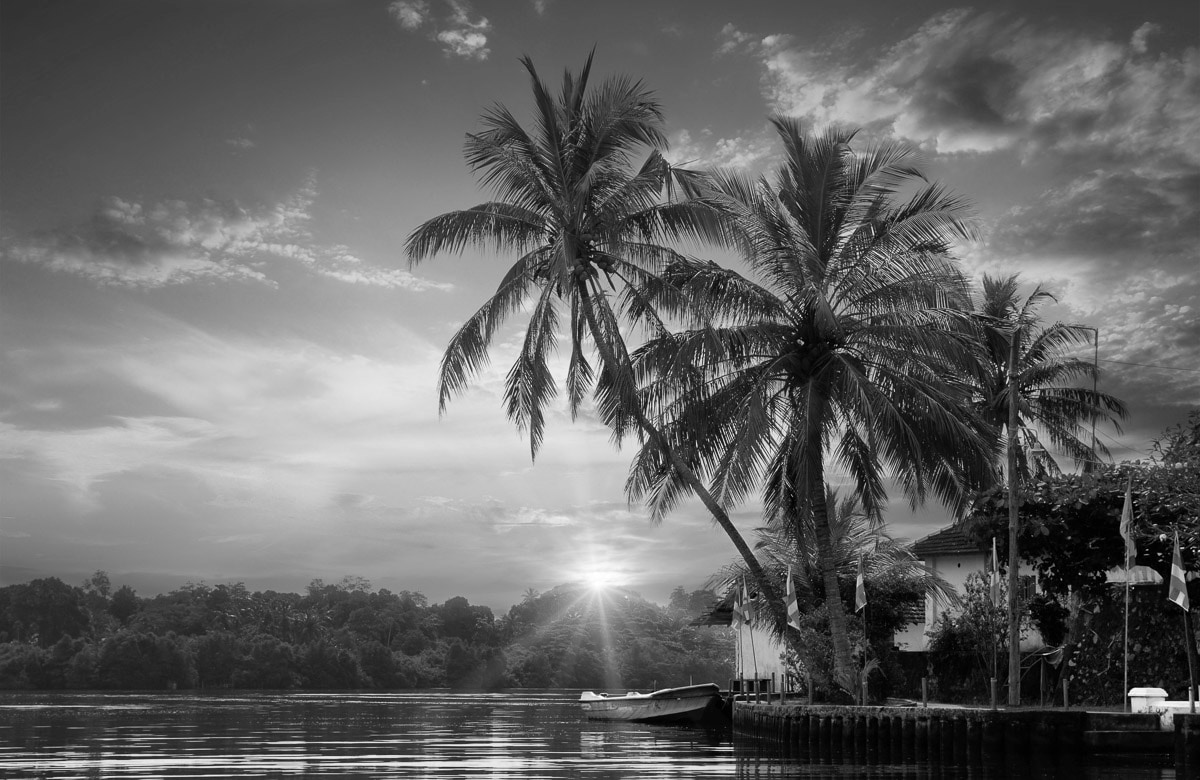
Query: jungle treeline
[(348, 636)]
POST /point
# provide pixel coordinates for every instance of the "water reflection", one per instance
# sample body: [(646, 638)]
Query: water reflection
[(394, 735)]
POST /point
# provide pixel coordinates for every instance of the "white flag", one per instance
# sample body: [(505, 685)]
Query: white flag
[(860, 588), (793, 604)]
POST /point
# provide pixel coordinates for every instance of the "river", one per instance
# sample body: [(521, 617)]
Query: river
[(421, 734)]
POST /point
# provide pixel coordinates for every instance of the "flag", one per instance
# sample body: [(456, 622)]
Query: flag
[(995, 577), (860, 589), (793, 604), (1127, 526), (1177, 591), (739, 617), (747, 611)]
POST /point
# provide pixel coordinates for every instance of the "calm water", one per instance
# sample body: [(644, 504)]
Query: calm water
[(393, 735)]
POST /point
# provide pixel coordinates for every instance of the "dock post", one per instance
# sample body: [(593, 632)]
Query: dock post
[(837, 736), (948, 736), (802, 735), (908, 750), (1187, 744), (960, 741), (974, 742), (992, 744), (895, 740), (886, 755), (921, 741), (1016, 744)]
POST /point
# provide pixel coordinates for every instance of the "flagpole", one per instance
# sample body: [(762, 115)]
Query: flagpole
[(1187, 635), (1127, 538), (994, 592), (753, 659), (1177, 594), (1125, 695)]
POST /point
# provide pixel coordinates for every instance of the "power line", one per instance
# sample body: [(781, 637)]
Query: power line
[(1151, 365)]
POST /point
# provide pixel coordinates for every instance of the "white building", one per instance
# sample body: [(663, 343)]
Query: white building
[(954, 555)]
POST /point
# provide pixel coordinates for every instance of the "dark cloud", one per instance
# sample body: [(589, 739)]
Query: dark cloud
[(1111, 215)]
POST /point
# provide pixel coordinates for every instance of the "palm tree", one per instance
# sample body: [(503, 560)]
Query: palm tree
[(1050, 401), (573, 206), (1024, 382), (842, 346)]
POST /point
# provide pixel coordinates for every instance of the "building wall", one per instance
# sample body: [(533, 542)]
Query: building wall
[(955, 569), (758, 656)]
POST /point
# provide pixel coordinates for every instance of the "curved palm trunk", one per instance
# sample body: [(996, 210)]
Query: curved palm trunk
[(621, 363), (843, 664)]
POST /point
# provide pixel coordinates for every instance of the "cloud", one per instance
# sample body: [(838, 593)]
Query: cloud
[(175, 241), (410, 14), (1100, 129), (732, 40), (459, 34), (978, 82), (745, 151), (240, 143)]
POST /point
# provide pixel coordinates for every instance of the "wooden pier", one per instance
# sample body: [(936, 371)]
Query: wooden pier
[(1017, 739)]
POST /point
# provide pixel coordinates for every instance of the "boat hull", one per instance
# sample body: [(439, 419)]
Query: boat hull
[(691, 704)]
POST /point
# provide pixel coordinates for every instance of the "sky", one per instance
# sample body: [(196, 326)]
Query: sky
[(217, 366)]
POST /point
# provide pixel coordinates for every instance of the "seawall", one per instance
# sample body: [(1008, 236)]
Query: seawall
[(1017, 739)]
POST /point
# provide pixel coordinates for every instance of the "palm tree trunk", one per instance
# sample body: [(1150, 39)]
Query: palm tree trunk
[(620, 362), (1014, 632), (843, 664)]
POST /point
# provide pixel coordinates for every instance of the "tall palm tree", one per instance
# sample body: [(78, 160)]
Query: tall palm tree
[(1025, 382), (575, 207), (1052, 407), (841, 347)]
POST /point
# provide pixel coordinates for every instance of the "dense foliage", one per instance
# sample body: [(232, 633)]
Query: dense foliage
[(1070, 533), (341, 636)]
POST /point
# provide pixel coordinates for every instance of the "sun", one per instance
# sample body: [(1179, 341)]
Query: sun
[(600, 579)]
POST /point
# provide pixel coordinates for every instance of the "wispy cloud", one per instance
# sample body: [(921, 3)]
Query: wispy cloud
[(745, 151), (731, 40), (459, 34), (175, 241)]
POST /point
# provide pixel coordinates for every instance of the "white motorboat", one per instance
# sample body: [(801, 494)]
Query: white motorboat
[(690, 704)]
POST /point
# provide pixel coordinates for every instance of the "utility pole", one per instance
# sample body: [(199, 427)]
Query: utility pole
[(1014, 634)]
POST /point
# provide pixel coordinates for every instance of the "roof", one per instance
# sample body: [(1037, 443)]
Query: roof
[(951, 540)]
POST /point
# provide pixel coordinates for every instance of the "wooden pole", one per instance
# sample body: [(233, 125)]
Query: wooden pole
[(1014, 633), (1190, 637)]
